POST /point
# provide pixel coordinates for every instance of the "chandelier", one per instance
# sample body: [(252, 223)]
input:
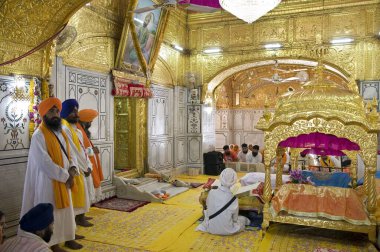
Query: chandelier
[(249, 10)]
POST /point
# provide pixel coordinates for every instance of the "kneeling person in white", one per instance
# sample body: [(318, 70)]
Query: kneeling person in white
[(228, 221)]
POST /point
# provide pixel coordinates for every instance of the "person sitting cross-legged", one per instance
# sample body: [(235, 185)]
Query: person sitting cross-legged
[(36, 229)]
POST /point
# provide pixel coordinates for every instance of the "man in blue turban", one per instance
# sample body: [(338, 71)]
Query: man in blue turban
[(36, 229), (81, 197)]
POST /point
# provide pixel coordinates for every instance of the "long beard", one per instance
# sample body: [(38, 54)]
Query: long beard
[(54, 123), (72, 120), (254, 154), (47, 235)]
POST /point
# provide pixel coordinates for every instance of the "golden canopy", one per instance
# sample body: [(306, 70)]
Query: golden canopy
[(323, 107)]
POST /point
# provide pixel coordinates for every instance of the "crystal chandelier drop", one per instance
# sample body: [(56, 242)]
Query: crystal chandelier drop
[(249, 10)]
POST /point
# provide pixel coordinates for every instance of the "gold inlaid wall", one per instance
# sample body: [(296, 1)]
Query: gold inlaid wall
[(91, 38), (26, 24), (296, 25)]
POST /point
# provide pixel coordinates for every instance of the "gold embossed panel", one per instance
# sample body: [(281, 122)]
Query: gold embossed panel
[(241, 35), (306, 28), (347, 24), (215, 36), (275, 30)]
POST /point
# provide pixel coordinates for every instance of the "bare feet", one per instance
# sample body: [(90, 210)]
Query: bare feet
[(73, 245), (79, 237), (57, 248), (80, 221)]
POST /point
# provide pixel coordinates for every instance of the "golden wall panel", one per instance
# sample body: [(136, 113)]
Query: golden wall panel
[(215, 36), (26, 24), (347, 24), (241, 35), (272, 31), (97, 33), (306, 28)]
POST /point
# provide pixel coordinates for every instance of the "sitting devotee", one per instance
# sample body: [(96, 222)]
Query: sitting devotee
[(50, 173), (255, 157), (285, 160), (81, 197), (2, 227), (242, 156), (86, 116), (222, 214), (250, 147), (228, 155), (235, 149), (36, 229)]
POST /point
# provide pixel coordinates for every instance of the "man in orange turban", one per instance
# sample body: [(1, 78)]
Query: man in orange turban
[(50, 173), (86, 116)]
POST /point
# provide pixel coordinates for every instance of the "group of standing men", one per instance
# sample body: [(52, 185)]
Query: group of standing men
[(63, 169)]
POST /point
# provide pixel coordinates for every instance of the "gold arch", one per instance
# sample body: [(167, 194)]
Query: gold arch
[(162, 73), (227, 72)]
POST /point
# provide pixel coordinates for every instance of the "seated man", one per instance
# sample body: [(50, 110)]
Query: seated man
[(328, 162), (222, 214), (255, 157), (285, 160), (36, 229), (244, 153), (228, 155)]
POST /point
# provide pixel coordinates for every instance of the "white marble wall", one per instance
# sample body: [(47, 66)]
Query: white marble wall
[(167, 129), (237, 126), (160, 121), (14, 147), (92, 90)]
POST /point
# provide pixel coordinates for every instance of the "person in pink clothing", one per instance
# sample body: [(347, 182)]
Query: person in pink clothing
[(36, 229)]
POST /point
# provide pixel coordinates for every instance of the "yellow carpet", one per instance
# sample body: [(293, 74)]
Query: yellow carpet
[(291, 238), (91, 246), (197, 241), (152, 227), (188, 198)]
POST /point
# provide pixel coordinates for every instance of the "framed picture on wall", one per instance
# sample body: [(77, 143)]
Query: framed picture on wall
[(148, 25), (369, 90)]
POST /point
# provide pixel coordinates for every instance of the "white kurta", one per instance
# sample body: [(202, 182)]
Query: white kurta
[(38, 186), (226, 223), (83, 164), (254, 160), (243, 156), (25, 242)]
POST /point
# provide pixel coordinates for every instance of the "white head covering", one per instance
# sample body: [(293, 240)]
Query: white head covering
[(228, 177)]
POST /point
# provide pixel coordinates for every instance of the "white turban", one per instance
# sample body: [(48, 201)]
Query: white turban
[(228, 177)]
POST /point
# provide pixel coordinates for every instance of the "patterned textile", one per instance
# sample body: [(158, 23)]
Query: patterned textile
[(152, 227), (188, 198), (338, 179), (329, 202), (125, 205), (91, 246), (292, 238), (192, 240)]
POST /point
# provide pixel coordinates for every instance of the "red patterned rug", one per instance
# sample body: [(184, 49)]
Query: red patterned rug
[(118, 204)]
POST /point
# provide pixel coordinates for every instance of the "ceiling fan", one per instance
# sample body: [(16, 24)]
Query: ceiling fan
[(190, 5), (277, 79)]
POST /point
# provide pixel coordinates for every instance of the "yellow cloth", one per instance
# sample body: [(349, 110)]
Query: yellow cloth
[(78, 190), (327, 163), (87, 115), (47, 104), (292, 238), (61, 195), (152, 227), (192, 240)]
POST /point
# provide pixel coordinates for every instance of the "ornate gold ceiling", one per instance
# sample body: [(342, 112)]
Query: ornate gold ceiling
[(26, 24), (253, 87)]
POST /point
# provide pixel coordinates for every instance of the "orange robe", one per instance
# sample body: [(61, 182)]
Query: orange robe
[(97, 173)]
